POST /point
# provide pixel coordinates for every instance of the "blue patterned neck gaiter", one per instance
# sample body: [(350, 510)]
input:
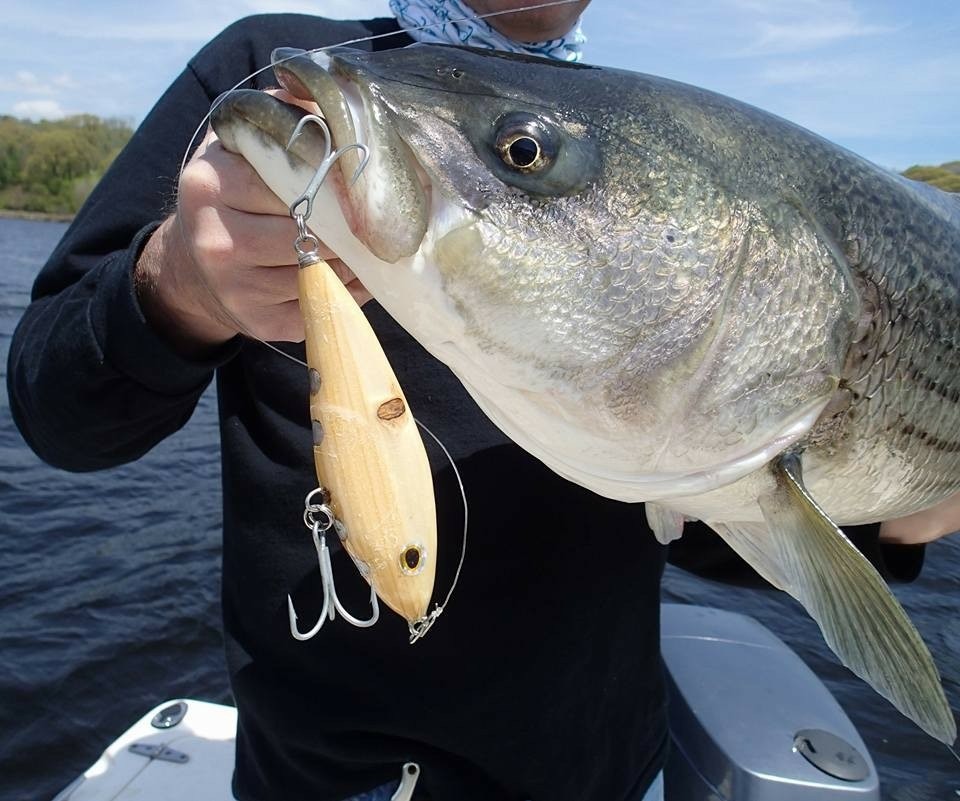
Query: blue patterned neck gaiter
[(453, 22)]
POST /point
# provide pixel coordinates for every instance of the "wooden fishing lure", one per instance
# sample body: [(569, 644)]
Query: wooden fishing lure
[(367, 451)]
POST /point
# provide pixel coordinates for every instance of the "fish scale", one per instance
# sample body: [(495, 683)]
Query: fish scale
[(912, 343), (679, 299)]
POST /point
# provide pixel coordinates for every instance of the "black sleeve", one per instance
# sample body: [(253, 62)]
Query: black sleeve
[(90, 384), (703, 552)]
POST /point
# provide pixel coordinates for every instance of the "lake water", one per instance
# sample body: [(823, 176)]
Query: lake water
[(109, 597)]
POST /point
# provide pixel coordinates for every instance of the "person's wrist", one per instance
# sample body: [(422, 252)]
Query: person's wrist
[(904, 532), (925, 526), (168, 302)]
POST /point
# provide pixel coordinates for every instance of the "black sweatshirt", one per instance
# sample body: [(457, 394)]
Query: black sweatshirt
[(542, 680)]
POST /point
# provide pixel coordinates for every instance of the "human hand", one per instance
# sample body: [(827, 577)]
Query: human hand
[(224, 262), (925, 526)]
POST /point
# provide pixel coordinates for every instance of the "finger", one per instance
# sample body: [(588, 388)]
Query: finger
[(350, 281), (209, 135), (270, 287), (288, 326), (238, 184), (230, 178), (305, 103), (224, 238), (359, 292), (280, 323), (259, 300), (344, 273), (235, 184)]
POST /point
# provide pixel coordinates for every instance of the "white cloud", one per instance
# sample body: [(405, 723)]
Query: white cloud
[(792, 37), (803, 25), (334, 9), (874, 75), (39, 110), (847, 68), (746, 28), (64, 81), (171, 21), (176, 21), (806, 73), (148, 31), (26, 82)]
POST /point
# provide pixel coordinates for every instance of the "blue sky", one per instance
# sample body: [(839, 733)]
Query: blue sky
[(881, 77)]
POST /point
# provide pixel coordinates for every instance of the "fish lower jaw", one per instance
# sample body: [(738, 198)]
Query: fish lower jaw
[(675, 486), (606, 464)]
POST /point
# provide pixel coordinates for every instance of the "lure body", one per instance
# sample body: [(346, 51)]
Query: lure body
[(367, 451)]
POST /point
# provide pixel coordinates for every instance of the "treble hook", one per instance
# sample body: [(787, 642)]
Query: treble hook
[(329, 159), (331, 602)]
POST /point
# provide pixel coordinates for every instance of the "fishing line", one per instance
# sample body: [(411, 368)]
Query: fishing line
[(419, 627), (241, 326)]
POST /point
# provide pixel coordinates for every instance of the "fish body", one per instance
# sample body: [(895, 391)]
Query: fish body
[(662, 293)]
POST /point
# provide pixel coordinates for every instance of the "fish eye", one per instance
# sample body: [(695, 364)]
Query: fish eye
[(523, 151), (525, 145)]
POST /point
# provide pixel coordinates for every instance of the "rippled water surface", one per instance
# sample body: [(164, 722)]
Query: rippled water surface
[(109, 597)]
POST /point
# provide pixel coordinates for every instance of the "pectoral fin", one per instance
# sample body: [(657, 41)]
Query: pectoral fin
[(860, 618), (667, 525), (752, 543)]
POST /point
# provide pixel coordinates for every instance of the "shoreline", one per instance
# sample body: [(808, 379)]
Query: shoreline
[(38, 216)]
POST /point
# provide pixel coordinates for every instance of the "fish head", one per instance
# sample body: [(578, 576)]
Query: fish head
[(575, 245)]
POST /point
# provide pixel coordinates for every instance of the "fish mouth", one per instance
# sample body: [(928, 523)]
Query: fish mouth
[(385, 226), (382, 190), (384, 195)]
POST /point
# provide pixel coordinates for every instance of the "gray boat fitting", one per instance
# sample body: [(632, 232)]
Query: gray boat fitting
[(749, 721)]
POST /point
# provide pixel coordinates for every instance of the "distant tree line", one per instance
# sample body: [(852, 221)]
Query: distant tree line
[(51, 166), (946, 176)]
